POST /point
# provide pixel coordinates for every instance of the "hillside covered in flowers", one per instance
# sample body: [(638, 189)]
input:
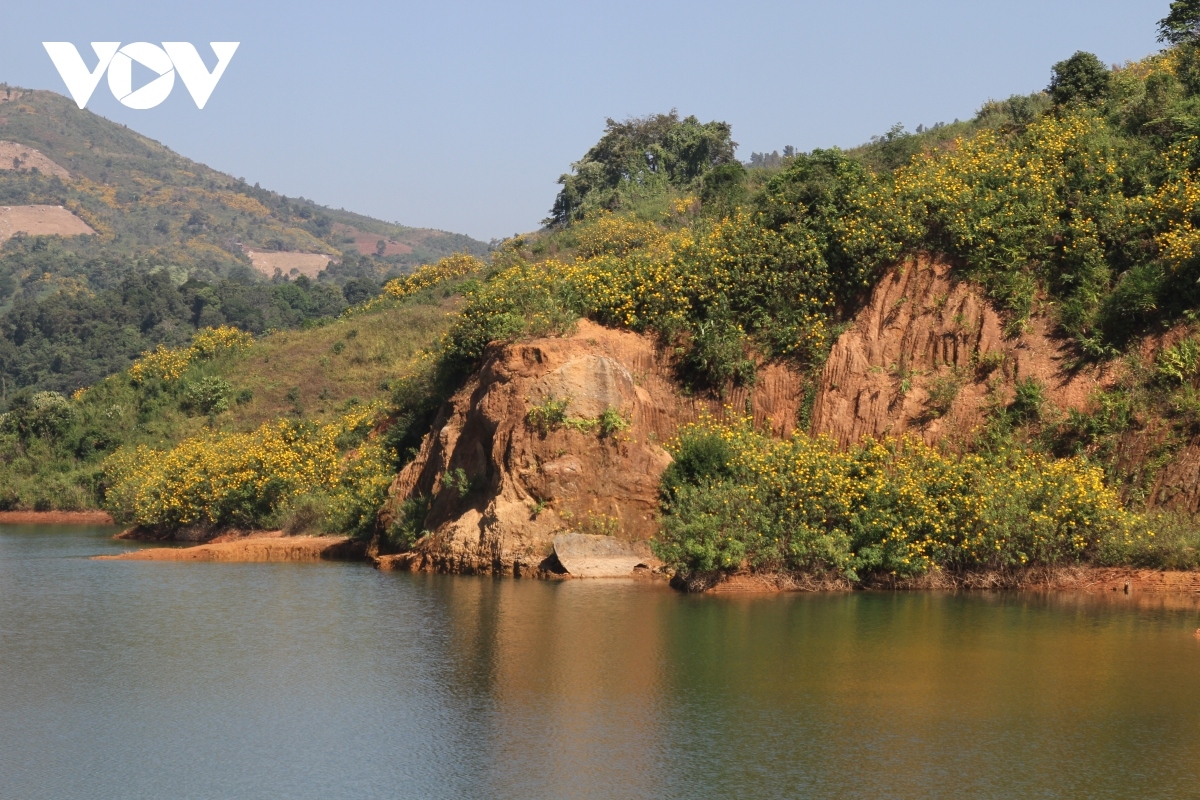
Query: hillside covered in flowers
[(1079, 204)]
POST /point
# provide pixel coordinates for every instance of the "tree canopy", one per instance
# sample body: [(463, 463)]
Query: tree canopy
[(1080, 77), (1182, 23), (641, 156)]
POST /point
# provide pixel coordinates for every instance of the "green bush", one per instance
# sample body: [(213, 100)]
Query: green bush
[(548, 415), (408, 526), (1081, 77), (209, 395), (612, 422), (38, 414), (1178, 364), (735, 498)]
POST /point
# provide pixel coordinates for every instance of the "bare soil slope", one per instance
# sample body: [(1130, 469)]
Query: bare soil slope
[(14, 156), (40, 221), (927, 356), (288, 263)]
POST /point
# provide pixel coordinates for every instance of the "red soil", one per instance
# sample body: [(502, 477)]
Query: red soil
[(55, 518)]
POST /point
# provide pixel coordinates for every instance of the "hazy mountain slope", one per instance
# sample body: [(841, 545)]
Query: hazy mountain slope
[(170, 253), (139, 193)]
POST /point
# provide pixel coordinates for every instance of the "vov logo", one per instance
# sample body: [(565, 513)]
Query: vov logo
[(172, 57)]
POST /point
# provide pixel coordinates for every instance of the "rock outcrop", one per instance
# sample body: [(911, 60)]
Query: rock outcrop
[(503, 485), (927, 356)]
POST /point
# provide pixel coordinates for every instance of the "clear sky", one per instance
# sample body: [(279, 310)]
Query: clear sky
[(461, 116)]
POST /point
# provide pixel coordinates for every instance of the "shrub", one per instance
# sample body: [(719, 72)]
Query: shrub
[(1179, 363), (736, 498), (408, 526), (40, 414), (548, 415), (702, 454), (457, 481), (1080, 77), (169, 365), (207, 396), (717, 356), (1029, 398), (246, 479), (943, 390), (612, 422), (453, 266)]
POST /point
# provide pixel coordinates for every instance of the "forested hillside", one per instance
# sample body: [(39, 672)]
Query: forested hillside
[(171, 252)]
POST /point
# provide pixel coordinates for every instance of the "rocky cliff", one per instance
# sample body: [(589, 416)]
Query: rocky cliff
[(504, 482), (927, 356)]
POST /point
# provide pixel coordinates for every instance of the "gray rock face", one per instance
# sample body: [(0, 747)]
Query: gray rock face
[(588, 556)]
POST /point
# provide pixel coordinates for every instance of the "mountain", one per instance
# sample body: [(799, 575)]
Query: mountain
[(111, 244)]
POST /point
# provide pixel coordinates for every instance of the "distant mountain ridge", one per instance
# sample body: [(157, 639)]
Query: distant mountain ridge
[(133, 190), (112, 244)]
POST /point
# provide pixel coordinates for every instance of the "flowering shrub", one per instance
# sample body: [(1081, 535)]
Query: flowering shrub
[(169, 365), (162, 363), (246, 478), (210, 343), (735, 497), (1084, 202), (731, 275), (452, 266)]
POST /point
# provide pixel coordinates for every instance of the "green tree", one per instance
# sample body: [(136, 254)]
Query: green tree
[(1080, 77), (640, 157), (1182, 23)]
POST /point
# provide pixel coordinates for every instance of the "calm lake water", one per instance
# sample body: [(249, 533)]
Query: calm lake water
[(161, 680)]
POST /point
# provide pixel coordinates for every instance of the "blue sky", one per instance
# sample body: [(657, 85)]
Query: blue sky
[(460, 116)]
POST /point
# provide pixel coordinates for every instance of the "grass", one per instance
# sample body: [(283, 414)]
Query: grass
[(385, 346)]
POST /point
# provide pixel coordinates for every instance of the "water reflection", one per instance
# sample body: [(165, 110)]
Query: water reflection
[(136, 679)]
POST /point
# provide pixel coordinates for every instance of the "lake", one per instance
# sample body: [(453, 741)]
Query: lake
[(122, 679)]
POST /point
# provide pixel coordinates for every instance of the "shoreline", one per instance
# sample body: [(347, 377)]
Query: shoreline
[(234, 545), (56, 518), (1075, 578), (272, 547)]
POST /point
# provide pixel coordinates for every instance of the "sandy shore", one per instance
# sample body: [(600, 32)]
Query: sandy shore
[(261, 549), (55, 518)]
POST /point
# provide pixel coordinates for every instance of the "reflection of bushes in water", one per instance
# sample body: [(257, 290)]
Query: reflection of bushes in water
[(734, 497)]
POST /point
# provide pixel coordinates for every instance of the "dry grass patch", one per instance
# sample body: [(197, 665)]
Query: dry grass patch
[(40, 221), (315, 372), (288, 263)]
